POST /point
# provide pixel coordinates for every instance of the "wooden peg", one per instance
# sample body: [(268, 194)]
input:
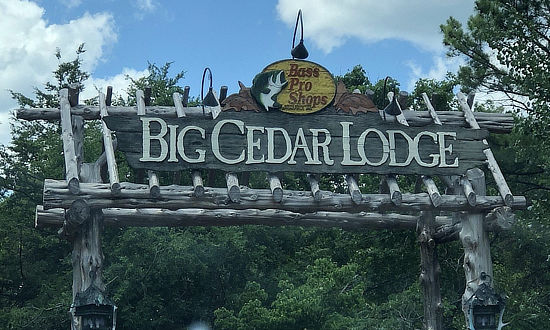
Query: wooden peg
[(147, 96), (233, 190), (395, 192), (140, 101), (275, 186), (314, 185), (223, 93), (178, 104), (185, 96), (433, 192), (154, 186), (74, 90), (468, 191), (353, 188), (109, 97), (198, 187)]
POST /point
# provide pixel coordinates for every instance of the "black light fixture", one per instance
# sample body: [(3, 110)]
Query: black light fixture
[(485, 307), (392, 108), (96, 310), (300, 51), (210, 99)]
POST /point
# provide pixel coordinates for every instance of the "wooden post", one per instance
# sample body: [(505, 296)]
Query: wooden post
[(109, 150), (503, 188), (71, 167), (429, 275), (477, 254), (87, 257)]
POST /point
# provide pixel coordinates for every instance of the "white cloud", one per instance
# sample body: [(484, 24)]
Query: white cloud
[(28, 44), (330, 23), (146, 5), (71, 3), (119, 82), (441, 65)]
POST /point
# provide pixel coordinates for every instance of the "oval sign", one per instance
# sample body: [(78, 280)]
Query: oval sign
[(310, 87)]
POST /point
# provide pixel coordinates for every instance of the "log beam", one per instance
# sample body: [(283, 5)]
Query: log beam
[(493, 122), (98, 195)]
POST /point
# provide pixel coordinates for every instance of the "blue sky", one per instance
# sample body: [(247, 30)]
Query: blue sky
[(236, 39)]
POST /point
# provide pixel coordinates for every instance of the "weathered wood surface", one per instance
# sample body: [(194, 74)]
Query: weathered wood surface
[(180, 110), (232, 217), (431, 109), (475, 241), (314, 187), (503, 188), (56, 195), (108, 145), (275, 187), (493, 122), (198, 186), (499, 219), (433, 192), (71, 164), (324, 143), (154, 186), (394, 191), (233, 190), (429, 273), (353, 189)]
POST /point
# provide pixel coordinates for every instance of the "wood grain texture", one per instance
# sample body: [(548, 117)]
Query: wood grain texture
[(71, 164), (98, 195), (475, 241), (494, 122), (108, 146), (502, 185), (429, 272), (302, 149)]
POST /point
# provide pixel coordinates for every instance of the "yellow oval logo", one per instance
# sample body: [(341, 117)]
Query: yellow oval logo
[(309, 86)]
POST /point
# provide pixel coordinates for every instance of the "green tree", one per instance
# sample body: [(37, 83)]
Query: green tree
[(505, 44)]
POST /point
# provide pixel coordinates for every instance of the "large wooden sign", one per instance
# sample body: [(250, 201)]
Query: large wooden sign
[(325, 142)]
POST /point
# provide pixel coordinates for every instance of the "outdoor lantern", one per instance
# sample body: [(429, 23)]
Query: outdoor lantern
[(95, 309), (210, 99), (485, 308), (300, 51)]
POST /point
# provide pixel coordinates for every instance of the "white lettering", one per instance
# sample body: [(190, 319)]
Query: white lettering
[(216, 144), (146, 141), (316, 145), (181, 148)]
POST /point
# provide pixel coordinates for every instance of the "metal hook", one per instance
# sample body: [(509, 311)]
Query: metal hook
[(202, 86), (300, 51)]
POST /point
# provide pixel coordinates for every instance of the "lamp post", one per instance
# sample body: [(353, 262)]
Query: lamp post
[(485, 308), (95, 309)]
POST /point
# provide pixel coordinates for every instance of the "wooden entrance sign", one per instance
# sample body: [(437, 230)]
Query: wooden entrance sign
[(324, 142), (292, 119)]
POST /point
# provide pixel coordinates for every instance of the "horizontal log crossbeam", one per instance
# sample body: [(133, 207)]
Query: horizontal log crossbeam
[(173, 197), (446, 230), (494, 122)]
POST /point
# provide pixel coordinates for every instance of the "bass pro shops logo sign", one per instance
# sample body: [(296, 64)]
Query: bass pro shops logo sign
[(293, 86)]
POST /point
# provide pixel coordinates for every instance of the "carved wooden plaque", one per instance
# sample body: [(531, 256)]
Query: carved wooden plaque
[(325, 142)]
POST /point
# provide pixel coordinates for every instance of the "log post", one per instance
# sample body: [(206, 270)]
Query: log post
[(475, 241), (85, 232), (429, 274)]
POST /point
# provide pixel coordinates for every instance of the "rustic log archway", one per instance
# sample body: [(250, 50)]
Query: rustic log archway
[(81, 203)]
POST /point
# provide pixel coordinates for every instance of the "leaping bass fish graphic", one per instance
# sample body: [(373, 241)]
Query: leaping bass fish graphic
[(266, 86)]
